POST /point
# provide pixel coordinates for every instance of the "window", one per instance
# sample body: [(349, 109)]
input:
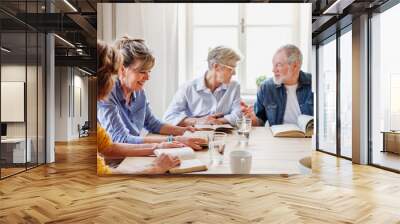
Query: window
[(22, 74), (385, 88), (257, 30), (327, 97), (394, 101), (346, 94)]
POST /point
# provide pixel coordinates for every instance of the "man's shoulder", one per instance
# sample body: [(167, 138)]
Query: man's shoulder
[(267, 84), (305, 77), (306, 74)]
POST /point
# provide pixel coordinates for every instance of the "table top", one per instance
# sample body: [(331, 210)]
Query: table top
[(13, 140), (391, 132), (270, 155)]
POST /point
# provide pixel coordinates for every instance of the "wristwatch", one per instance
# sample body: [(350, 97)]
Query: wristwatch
[(170, 138)]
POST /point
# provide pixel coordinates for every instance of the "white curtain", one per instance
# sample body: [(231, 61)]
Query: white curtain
[(157, 24)]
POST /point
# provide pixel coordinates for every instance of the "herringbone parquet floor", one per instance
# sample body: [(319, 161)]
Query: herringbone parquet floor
[(70, 192)]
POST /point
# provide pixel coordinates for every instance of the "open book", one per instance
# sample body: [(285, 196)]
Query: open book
[(227, 128), (189, 163), (303, 128)]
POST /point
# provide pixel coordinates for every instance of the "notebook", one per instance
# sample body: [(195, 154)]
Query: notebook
[(189, 162)]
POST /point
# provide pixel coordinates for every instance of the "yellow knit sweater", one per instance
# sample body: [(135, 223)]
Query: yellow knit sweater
[(103, 141)]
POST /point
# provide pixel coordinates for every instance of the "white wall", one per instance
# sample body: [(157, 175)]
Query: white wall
[(305, 37), (117, 20), (33, 126), (17, 73), (67, 116)]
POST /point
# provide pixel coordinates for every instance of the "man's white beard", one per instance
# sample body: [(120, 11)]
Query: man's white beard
[(277, 81), (282, 78)]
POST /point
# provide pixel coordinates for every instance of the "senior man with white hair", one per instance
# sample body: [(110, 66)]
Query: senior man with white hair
[(285, 96), (211, 98)]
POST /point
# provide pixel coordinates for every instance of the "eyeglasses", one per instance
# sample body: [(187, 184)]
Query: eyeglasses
[(233, 69)]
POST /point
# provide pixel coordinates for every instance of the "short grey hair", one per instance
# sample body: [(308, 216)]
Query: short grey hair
[(292, 52), (222, 55)]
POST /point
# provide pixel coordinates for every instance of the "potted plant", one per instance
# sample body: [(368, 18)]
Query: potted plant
[(260, 79)]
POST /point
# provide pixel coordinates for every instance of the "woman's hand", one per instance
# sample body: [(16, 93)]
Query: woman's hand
[(165, 162), (194, 143), (174, 144)]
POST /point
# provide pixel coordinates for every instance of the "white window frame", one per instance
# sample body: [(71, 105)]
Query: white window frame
[(242, 36)]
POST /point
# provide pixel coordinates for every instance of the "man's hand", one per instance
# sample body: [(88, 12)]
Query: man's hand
[(216, 118), (248, 111), (211, 119), (194, 143)]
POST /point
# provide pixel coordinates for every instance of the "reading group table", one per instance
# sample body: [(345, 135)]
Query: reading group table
[(270, 155)]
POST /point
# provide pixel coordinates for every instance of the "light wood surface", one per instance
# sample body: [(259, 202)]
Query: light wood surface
[(69, 191), (270, 155)]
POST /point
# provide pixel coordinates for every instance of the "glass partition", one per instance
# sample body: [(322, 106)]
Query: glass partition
[(327, 97), (13, 103), (385, 89), (22, 89), (346, 94)]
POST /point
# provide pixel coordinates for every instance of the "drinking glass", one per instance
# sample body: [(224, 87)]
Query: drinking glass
[(244, 127), (216, 147)]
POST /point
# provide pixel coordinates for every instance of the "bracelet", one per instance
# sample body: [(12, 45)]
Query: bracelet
[(170, 138)]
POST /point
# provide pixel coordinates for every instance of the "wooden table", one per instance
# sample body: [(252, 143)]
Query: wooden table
[(270, 155), (391, 141)]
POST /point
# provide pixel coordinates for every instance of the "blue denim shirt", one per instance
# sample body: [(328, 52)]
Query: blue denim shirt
[(271, 99), (124, 122)]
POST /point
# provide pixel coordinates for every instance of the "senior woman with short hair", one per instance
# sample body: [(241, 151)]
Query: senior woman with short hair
[(211, 98)]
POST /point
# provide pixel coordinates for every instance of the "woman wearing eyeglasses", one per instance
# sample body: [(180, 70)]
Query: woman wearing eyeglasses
[(211, 98)]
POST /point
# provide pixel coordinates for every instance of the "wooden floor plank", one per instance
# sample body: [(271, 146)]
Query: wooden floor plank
[(69, 191)]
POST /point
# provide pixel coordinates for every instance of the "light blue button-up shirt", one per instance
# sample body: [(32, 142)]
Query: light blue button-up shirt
[(124, 122), (194, 99)]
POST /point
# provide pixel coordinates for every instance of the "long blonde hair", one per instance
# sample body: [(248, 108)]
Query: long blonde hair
[(109, 61)]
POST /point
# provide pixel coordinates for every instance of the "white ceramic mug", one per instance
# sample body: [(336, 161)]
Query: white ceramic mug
[(240, 162)]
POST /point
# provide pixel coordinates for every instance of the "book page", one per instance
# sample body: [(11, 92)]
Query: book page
[(205, 127), (227, 126), (198, 134), (213, 126), (183, 153), (304, 122), (286, 130), (190, 165)]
